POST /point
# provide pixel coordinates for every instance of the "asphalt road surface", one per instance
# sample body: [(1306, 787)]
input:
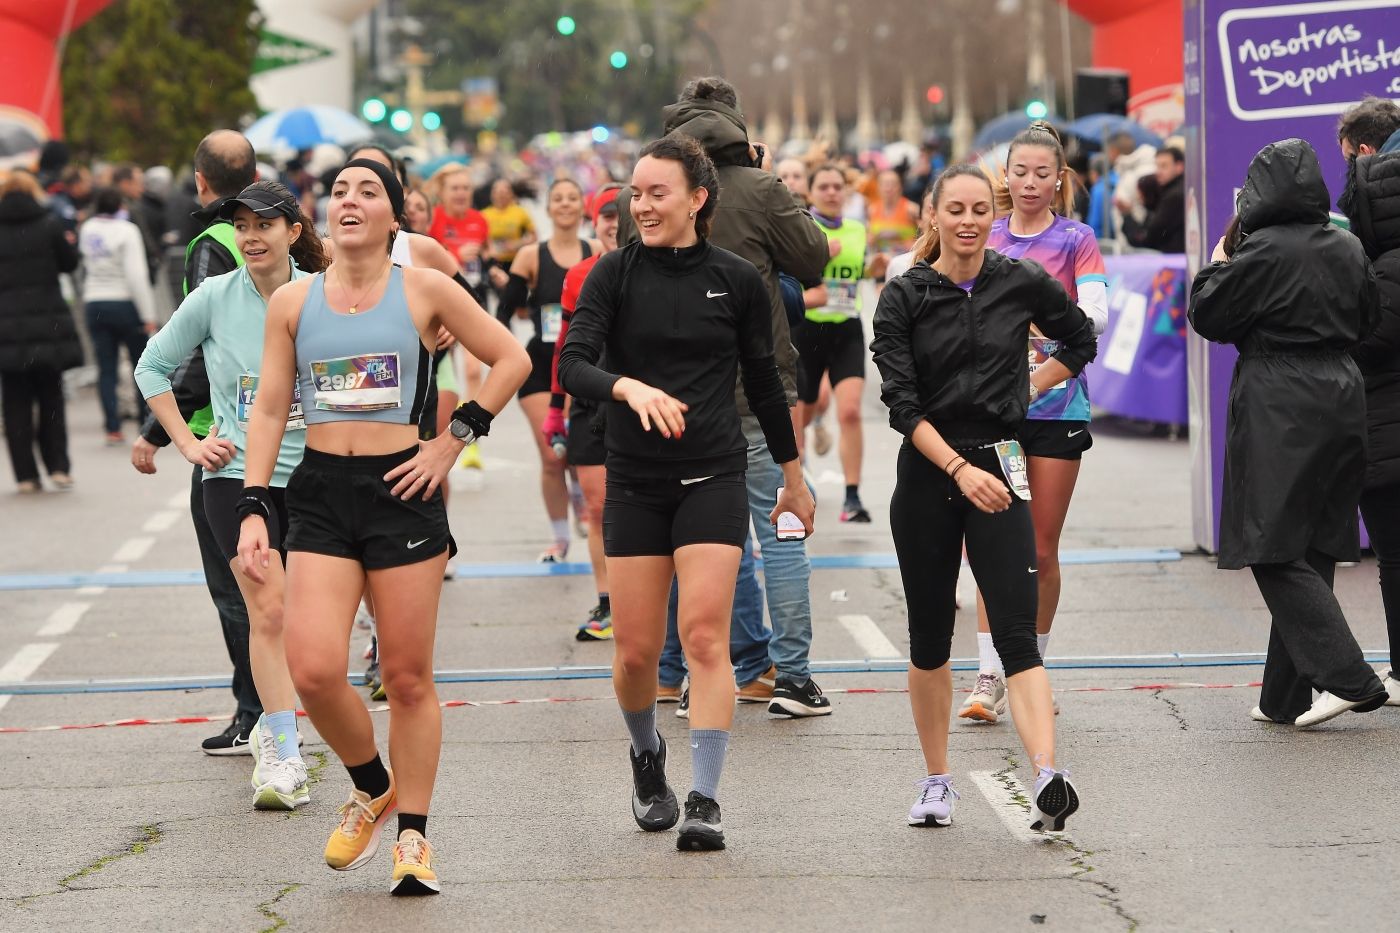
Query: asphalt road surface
[(1193, 817)]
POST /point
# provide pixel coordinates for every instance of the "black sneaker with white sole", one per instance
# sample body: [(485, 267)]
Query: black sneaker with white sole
[(702, 830), (793, 698), (654, 804), (683, 707), (1055, 801), (235, 740)]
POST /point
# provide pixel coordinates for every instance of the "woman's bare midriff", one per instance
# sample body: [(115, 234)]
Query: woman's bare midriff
[(361, 438)]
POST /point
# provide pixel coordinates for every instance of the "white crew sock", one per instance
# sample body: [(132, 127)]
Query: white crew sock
[(560, 527), (988, 661), (1042, 641)]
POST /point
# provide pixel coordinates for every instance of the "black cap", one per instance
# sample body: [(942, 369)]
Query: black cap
[(262, 202)]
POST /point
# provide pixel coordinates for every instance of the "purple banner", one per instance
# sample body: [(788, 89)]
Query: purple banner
[(1140, 371), (1258, 72)]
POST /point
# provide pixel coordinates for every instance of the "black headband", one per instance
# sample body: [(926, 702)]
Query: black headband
[(387, 178)]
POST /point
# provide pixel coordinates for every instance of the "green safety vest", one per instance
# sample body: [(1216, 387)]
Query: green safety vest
[(203, 420), (842, 276)]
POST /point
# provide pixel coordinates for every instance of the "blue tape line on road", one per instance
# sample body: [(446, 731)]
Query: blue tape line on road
[(894, 666), (488, 571)]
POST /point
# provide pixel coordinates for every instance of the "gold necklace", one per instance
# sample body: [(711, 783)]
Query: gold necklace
[(355, 305)]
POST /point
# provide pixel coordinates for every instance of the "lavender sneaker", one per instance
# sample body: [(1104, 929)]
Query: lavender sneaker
[(935, 804)]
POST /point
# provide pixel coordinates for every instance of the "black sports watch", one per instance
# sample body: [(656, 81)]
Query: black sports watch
[(461, 430)]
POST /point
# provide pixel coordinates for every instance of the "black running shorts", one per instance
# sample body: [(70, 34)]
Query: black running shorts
[(654, 518), (586, 446), (834, 348), (541, 366), (220, 497), (1055, 440), (342, 507)]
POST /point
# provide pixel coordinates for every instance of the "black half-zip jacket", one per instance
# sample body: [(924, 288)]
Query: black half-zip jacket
[(959, 360), (688, 321)]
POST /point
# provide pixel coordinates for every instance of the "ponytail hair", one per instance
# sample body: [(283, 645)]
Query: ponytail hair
[(926, 247), (1043, 134), (698, 168)]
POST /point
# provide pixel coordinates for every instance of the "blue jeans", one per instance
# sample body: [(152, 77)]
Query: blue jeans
[(786, 575), (113, 325)]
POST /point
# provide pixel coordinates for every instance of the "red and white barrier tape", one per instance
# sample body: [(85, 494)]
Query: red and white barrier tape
[(454, 704)]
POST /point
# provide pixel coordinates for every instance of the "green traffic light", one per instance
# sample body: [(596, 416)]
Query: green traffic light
[(618, 60), (1037, 110), (374, 110), (431, 121), (566, 25), (401, 121)]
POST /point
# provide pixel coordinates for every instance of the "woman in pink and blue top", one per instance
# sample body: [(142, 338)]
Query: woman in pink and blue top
[(1038, 192)]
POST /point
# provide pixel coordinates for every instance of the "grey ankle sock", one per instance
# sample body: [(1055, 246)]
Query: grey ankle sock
[(642, 726), (707, 748)]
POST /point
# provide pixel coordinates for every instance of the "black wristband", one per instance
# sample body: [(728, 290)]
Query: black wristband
[(256, 500), (474, 417)]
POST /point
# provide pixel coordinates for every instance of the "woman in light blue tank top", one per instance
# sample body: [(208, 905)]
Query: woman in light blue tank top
[(365, 505)]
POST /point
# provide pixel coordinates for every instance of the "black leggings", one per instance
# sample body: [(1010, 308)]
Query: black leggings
[(1380, 507), (930, 518)]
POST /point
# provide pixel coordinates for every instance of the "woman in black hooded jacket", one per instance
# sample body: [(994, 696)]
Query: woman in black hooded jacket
[(1372, 204), (1294, 297), (38, 339)]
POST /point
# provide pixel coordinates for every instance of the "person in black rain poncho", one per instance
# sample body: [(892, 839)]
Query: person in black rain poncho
[(1294, 294)]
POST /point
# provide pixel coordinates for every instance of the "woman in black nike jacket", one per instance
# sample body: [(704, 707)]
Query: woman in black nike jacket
[(950, 344), (680, 320)]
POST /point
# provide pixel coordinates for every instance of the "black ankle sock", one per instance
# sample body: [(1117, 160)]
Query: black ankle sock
[(370, 777), (413, 821), (605, 601), (853, 493)]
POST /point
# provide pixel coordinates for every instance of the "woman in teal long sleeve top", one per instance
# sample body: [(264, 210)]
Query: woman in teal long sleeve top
[(225, 316)]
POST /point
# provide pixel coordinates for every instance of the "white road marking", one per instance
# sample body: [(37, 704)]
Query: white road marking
[(25, 662), (181, 500), (62, 620), (133, 550), (161, 521), (868, 635), (105, 569), (1000, 794)]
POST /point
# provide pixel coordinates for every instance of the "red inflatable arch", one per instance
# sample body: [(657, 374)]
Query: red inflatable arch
[(29, 32), (1141, 37)]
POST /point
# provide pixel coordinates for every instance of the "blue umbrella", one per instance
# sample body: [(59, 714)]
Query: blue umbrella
[(303, 127), (1002, 129), (1100, 126)]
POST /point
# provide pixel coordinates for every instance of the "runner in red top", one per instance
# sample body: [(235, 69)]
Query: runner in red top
[(458, 227)]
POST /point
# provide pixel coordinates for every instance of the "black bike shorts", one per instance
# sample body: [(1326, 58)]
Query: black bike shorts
[(655, 518), (834, 348)]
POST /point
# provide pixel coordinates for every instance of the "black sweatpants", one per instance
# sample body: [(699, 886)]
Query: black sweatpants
[(930, 519), (35, 411), (228, 602), (1310, 645), (1380, 507)]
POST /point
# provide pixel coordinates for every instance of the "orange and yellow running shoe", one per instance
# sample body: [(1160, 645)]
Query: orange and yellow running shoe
[(356, 839), (413, 866)]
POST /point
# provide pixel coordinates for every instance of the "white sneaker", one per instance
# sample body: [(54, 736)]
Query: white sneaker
[(1325, 707), (988, 700), (277, 784), (1257, 714), (1392, 687)]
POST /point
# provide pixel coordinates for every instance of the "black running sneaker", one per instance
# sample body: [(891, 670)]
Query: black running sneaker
[(791, 698), (235, 740), (853, 511), (1055, 801), (654, 804), (683, 707), (702, 830)]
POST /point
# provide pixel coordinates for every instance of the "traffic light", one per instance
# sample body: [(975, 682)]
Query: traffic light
[(432, 121), (1037, 110), (935, 94), (565, 25), (374, 110), (618, 59), (401, 120)]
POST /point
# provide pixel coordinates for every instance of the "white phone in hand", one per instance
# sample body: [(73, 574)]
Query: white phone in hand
[(790, 527)]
